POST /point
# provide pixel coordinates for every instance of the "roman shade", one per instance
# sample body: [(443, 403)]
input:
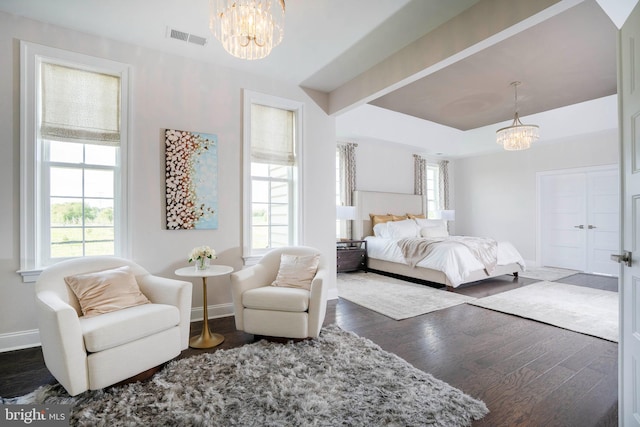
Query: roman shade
[(80, 106), (272, 135)]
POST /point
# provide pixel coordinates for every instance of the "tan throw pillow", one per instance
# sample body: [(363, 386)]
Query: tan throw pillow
[(297, 271), (105, 291), (412, 216), (379, 219), (398, 217)]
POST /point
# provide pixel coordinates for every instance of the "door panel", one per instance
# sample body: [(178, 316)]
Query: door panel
[(629, 94), (603, 213), (562, 209)]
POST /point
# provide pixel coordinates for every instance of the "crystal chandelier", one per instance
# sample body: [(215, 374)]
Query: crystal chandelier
[(517, 136), (247, 29)]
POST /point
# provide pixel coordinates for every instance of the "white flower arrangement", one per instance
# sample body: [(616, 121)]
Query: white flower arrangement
[(202, 252)]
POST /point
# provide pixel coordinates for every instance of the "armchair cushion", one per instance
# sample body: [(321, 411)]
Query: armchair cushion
[(296, 271), (130, 324), (273, 298), (106, 291)]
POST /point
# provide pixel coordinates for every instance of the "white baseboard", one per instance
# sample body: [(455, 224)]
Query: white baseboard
[(213, 312), (19, 340)]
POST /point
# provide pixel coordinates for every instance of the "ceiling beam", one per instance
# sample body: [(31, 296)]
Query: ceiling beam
[(482, 25)]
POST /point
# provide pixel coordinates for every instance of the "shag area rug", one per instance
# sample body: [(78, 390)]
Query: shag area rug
[(395, 298), (585, 310), (337, 379), (547, 273)]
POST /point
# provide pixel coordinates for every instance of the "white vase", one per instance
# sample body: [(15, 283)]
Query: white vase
[(202, 263)]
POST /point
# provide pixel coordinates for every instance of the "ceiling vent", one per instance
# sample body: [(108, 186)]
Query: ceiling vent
[(186, 37)]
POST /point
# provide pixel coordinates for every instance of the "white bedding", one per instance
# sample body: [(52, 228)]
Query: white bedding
[(455, 261)]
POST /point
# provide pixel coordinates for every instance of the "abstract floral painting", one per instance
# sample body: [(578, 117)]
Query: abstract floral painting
[(191, 180)]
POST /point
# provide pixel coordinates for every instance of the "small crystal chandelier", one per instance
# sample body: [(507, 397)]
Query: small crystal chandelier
[(247, 29), (517, 136)]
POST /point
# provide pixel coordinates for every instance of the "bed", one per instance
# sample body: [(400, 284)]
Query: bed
[(448, 263)]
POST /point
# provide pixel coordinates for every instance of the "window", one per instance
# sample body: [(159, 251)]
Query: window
[(272, 174), (73, 151), (433, 191)]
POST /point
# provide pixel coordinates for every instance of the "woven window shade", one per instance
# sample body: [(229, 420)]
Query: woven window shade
[(272, 135), (80, 106)]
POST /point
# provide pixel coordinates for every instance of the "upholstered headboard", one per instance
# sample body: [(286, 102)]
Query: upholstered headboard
[(381, 203)]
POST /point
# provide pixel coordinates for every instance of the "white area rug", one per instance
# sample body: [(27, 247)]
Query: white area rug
[(395, 298), (585, 310), (547, 273)]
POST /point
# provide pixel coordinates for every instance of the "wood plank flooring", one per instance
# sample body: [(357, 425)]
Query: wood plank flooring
[(528, 373)]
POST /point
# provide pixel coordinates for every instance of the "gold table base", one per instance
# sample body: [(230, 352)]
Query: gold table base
[(206, 339)]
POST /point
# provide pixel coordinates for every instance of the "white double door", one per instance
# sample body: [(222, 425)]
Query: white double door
[(580, 219)]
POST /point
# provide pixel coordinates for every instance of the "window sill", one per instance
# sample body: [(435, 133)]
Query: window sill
[(29, 276)]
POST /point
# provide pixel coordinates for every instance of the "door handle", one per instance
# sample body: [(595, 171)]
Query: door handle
[(625, 258), (591, 227), (581, 226)]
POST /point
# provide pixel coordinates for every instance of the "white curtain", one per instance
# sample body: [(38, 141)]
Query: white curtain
[(347, 165), (347, 170), (80, 105), (272, 135), (420, 179), (419, 175), (443, 183)]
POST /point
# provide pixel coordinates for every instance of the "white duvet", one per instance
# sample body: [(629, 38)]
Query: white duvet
[(455, 261)]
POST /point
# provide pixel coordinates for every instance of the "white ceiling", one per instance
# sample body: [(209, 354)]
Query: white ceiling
[(563, 51), (566, 59)]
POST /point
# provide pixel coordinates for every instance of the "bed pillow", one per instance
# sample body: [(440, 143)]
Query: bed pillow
[(297, 271), (418, 216), (379, 219), (106, 291), (434, 232), (403, 229), (382, 230), (398, 217), (427, 223)]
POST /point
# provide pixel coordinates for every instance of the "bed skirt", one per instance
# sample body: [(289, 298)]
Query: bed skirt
[(435, 275)]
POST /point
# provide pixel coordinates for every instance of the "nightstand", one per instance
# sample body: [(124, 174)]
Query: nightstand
[(351, 255)]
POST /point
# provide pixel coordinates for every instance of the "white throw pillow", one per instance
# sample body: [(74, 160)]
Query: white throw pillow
[(297, 271), (403, 229), (434, 232), (106, 291)]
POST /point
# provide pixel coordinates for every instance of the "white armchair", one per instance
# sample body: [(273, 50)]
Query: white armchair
[(89, 353), (261, 309)]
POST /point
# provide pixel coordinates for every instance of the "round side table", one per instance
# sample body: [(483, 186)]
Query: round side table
[(206, 339)]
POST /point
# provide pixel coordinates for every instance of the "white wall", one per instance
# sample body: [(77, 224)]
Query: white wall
[(496, 194), (166, 92), (383, 166)]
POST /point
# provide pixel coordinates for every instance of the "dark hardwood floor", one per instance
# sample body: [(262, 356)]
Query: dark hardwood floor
[(528, 373)]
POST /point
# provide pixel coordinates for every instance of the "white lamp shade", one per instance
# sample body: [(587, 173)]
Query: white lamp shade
[(345, 212)]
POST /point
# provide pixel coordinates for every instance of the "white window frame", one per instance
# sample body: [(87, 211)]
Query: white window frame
[(436, 190), (31, 56), (251, 256)]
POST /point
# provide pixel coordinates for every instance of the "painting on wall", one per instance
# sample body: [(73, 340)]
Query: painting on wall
[(191, 180)]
